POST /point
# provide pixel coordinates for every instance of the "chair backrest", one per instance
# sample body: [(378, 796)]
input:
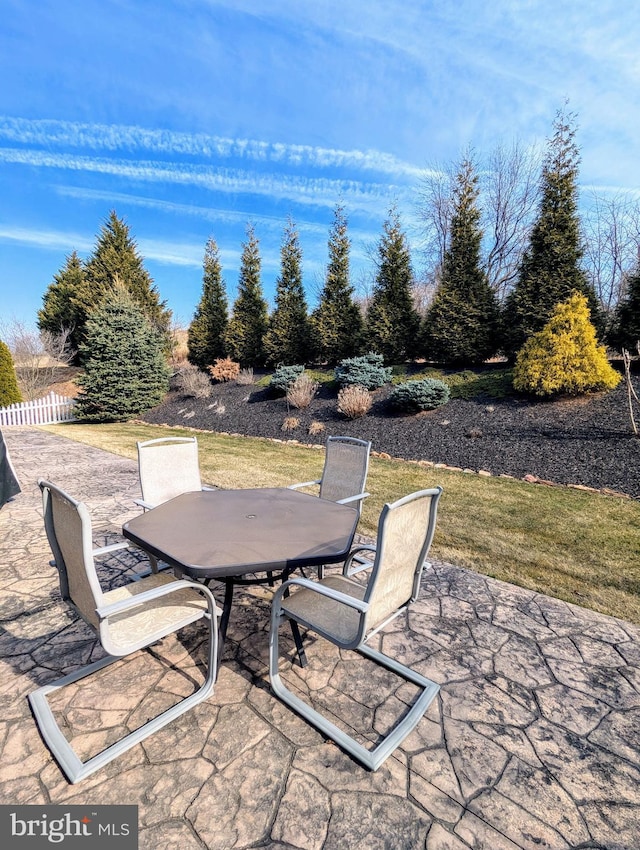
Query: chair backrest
[(346, 464), (68, 527), (168, 467), (405, 532)]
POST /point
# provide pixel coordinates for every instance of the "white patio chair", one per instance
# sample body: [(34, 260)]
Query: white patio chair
[(347, 613), (167, 467), (125, 620), (346, 464)]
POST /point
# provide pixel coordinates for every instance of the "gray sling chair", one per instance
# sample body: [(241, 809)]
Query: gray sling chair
[(167, 467), (346, 463), (347, 613), (125, 620)]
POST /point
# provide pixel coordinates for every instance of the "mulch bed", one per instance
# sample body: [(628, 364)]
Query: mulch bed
[(586, 441)]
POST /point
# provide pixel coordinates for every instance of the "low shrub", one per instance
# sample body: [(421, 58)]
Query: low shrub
[(494, 383), (426, 394), (354, 401), (290, 423), (301, 392), (224, 369), (367, 371), (192, 382), (245, 377), (283, 377), (316, 428)]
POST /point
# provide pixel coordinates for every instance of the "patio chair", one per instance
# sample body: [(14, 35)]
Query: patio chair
[(347, 613), (125, 619), (346, 463), (167, 466)]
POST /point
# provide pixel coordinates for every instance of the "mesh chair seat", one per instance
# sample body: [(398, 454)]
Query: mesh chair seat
[(325, 615), (145, 624)]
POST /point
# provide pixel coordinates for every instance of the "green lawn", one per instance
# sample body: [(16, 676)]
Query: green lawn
[(580, 547)]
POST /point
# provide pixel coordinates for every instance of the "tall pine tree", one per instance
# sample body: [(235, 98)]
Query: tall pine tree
[(206, 336), (392, 321), (550, 269), (244, 338), (62, 304), (461, 324), (287, 340), (116, 256), (337, 325), (78, 289)]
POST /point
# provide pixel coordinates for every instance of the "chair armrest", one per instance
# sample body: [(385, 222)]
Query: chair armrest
[(102, 550), (365, 564), (105, 611), (329, 592), (142, 504), (348, 499), (113, 547), (303, 484)]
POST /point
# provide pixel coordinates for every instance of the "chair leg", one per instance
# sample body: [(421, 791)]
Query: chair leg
[(373, 758), (72, 766)]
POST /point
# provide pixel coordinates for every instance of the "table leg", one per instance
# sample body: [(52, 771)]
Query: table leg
[(224, 619)]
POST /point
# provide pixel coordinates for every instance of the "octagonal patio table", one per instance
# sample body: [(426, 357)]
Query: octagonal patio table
[(228, 535)]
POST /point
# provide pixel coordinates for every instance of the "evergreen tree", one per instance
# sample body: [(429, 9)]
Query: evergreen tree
[(627, 331), (125, 368), (337, 325), (205, 338), (62, 307), (564, 357), (116, 256), (392, 321), (550, 269), (287, 340), (244, 338), (461, 324), (9, 391)]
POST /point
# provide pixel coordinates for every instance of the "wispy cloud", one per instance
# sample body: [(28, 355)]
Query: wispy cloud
[(110, 137), (215, 215), (46, 239), (219, 216), (315, 191), (179, 254)]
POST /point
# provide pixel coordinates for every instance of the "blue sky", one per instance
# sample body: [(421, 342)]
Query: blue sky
[(192, 117)]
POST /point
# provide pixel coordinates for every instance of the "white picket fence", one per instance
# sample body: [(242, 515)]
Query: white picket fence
[(41, 411)]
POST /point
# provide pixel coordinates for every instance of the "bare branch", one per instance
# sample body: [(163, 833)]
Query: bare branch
[(612, 246), (38, 356), (631, 393)]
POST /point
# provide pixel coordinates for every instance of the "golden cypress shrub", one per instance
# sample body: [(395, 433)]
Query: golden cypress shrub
[(564, 357)]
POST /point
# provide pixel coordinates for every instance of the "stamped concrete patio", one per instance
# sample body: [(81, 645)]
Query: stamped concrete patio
[(533, 742)]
